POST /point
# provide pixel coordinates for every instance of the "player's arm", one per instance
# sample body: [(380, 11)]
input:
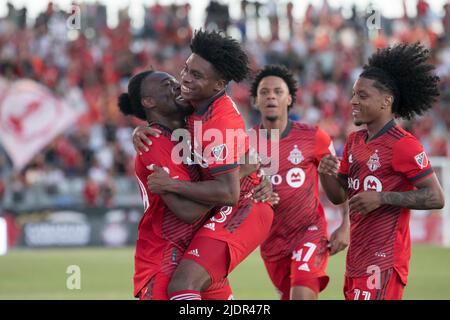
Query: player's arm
[(222, 190), (140, 138), (410, 160), (332, 182), (429, 195), (340, 238), (185, 209)]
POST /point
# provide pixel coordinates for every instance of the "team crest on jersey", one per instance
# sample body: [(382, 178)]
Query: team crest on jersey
[(374, 162), (422, 160), (220, 152), (296, 156)]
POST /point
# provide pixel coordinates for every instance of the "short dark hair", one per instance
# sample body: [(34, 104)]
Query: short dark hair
[(223, 52), (402, 71), (276, 70)]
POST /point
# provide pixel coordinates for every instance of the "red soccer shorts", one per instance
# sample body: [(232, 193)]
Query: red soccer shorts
[(388, 286), (305, 268), (156, 289), (227, 238)]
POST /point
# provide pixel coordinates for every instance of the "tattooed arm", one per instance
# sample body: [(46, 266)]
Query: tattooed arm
[(428, 195)]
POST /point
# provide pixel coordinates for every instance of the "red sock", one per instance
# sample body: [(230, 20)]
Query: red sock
[(185, 295)]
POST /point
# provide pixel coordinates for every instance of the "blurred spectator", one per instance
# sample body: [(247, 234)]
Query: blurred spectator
[(89, 68)]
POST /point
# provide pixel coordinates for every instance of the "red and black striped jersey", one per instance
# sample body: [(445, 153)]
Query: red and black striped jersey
[(393, 160), (299, 213), (220, 141), (162, 237)]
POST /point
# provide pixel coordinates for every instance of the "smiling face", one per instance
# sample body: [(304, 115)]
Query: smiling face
[(369, 104), (199, 80), (273, 98), (161, 91)]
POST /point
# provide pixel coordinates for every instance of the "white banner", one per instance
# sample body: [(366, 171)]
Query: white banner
[(30, 118)]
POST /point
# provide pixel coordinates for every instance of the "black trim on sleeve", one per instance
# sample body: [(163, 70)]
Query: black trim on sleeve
[(421, 175), (224, 168)]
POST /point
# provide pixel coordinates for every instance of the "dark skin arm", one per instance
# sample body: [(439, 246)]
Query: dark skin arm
[(428, 195), (334, 185), (222, 190), (186, 210)]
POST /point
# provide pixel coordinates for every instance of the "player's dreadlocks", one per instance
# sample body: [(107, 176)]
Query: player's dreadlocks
[(223, 52), (275, 70), (403, 72), (130, 103)]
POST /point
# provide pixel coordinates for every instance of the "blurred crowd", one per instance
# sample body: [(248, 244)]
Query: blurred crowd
[(325, 49)]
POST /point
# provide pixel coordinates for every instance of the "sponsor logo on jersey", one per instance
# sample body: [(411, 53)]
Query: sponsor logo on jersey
[(374, 162), (220, 152), (372, 183), (295, 177), (211, 226), (380, 254), (313, 228), (296, 156), (194, 252), (422, 160)]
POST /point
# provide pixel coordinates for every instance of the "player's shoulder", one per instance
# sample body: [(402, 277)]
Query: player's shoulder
[(224, 113), (160, 145), (297, 125), (402, 138), (225, 106)]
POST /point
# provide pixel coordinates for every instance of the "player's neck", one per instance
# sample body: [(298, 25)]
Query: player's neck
[(279, 124), (374, 127), (169, 123)]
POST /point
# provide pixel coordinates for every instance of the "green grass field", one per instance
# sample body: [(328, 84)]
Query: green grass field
[(107, 274)]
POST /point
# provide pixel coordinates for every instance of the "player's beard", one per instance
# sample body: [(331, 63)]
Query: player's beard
[(272, 118)]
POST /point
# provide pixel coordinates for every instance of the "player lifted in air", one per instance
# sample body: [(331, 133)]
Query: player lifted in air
[(384, 171)]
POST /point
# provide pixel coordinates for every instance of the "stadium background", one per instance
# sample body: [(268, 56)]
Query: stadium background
[(74, 201)]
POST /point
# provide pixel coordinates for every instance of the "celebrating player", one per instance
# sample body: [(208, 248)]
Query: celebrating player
[(169, 221), (296, 252), (241, 224), (384, 171)]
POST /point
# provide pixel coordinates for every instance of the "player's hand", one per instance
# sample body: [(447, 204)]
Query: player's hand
[(339, 239), (329, 165), (251, 162), (263, 191), (140, 139), (274, 199), (365, 202), (159, 181)]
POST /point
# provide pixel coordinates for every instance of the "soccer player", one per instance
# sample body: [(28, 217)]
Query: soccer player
[(169, 221), (296, 251), (384, 171), (241, 224)]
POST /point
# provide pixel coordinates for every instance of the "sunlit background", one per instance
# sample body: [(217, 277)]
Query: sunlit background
[(66, 157)]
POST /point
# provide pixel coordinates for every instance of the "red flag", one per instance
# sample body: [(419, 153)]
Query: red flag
[(30, 118)]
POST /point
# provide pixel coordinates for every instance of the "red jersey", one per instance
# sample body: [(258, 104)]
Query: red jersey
[(393, 160), (299, 213), (217, 130), (162, 237)]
